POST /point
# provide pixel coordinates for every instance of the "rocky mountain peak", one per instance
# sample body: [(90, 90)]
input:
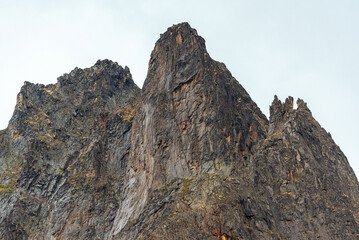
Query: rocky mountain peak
[(179, 47), (180, 35), (190, 156), (106, 81), (104, 73), (280, 109), (282, 113), (194, 118)]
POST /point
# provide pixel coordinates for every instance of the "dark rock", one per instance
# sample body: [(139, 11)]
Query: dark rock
[(60, 166), (190, 156)]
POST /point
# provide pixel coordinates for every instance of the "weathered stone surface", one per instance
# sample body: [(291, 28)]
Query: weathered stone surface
[(190, 156), (296, 184), (64, 155), (194, 118)]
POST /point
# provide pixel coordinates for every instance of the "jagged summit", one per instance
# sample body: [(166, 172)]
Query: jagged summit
[(179, 45), (180, 34), (282, 113), (106, 62), (103, 71), (190, 156), (287, 106), (106, 68)]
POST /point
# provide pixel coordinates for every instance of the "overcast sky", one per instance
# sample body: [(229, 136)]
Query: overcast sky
[(307, 48)]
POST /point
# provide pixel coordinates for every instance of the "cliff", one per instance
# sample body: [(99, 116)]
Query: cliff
[(190, 156)]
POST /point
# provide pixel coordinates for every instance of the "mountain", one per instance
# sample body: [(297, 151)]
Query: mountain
[(188, 156)]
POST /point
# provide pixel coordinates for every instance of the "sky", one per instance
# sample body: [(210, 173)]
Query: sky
[(307, 48)]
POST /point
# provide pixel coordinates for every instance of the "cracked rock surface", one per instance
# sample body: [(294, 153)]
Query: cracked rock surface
[(188, 156)]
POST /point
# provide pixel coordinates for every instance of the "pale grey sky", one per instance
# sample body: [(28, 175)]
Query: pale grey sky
[(307, 48)]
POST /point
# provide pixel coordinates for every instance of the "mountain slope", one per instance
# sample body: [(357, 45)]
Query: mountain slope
[(190, 156), (66, 150), (194, 118), (284, 180)]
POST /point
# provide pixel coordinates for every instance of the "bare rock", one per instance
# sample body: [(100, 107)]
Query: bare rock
[(190, 156)]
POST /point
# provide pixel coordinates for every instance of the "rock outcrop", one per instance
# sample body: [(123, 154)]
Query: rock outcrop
[(190, 156), (64, 155)]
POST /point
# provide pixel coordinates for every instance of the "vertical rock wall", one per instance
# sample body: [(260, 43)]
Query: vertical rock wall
[(190, 156)]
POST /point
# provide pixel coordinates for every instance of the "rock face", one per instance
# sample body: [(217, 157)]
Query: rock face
[(190, 156), (64, 155)]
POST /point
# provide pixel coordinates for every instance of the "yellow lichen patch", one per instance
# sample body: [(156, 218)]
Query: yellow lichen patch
[(220, 196), (287, 193), (16, 136), (10, 175), (275, 135), (296, 179), (127, 112), (356, 216), (41, 125), (57, 89), (60, 171), (29, 103), (230, 178), (51, 93), (47, 90), (5, 190), (41, 112), (261, 121), (249, 227), (202, 206), (271, 232)]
